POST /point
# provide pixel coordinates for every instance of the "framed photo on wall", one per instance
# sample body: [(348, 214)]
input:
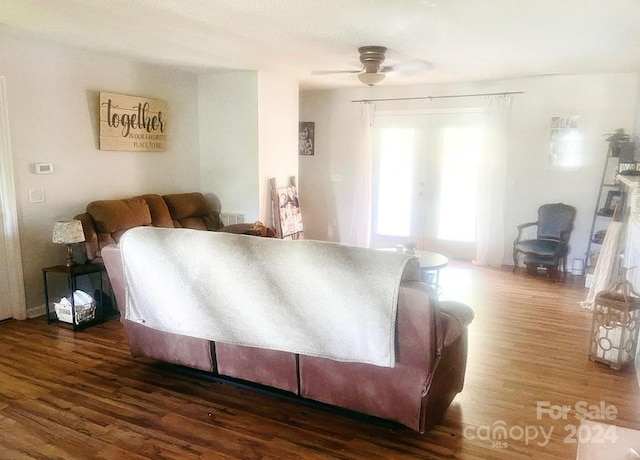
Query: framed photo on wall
[(565, 145), (306, 132)]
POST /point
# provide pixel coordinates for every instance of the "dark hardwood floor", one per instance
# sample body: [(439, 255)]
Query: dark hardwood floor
[(66, 395)]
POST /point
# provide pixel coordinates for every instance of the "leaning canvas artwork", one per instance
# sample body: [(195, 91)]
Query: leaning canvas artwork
[(290, 216)]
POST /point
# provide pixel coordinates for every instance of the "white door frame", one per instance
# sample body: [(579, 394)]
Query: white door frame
[(10, 213)]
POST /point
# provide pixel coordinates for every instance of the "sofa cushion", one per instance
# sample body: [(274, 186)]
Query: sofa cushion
[(113, 217), (160, 216), (171, 348), (273, 368), (191, 210)]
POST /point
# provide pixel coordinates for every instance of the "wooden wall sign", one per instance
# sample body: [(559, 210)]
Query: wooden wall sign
[(132, 123)]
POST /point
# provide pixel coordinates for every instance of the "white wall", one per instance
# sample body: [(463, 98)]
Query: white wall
[(248, 134), (325, 205), (604, 102), (278, 136), (636, 131), (227, 133), (228, 124), (53, 110)]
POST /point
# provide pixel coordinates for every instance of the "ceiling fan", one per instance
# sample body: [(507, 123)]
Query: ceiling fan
[(373, 72)]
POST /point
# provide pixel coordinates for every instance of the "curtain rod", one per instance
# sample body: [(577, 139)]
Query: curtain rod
[(437, 97)]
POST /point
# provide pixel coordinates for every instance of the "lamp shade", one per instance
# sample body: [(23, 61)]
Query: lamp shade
[(68, 232), (369, 78)]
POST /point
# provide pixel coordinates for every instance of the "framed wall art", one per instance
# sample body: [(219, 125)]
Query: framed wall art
[(306, 134), (132, 123), (565, 149)]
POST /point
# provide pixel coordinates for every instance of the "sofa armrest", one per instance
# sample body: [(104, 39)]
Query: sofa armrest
[(115, 272), (236, 228), (456, 317), (255, 229), (91, 247)]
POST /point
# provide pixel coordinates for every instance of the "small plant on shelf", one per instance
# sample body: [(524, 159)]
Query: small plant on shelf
[(615, 140)]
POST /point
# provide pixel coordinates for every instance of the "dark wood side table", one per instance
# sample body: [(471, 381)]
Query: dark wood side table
[(72, 273), (430, 265)]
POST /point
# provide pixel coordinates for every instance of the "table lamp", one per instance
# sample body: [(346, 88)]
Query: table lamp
[(68, 232)]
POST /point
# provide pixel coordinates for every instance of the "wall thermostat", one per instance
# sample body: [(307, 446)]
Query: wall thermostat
[(43, 168)]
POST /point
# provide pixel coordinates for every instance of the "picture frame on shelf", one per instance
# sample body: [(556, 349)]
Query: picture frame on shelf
[(614, 198)]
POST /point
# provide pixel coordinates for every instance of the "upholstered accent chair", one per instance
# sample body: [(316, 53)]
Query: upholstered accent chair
[(550, 247)]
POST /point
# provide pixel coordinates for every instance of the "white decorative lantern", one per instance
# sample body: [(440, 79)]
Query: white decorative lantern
[(615, 325)]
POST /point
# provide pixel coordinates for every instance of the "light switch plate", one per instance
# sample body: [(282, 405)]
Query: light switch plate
[(36, 195)]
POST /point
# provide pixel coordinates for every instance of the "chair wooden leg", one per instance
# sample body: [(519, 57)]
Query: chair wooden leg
[(532, 269), (515, 260)]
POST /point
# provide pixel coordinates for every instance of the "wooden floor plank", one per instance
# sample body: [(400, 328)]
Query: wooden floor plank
[(81, 396)]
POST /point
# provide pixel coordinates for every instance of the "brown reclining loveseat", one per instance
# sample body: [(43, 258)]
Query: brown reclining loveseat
[(105, 221)]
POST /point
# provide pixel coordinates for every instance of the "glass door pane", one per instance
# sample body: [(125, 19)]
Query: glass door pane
[(449, 225), (425, 177), (394, 152), (393, 216), (457, 206)]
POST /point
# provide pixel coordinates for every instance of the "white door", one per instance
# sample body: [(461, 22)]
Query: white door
[(12, 298), (447, 184), (425, 177)]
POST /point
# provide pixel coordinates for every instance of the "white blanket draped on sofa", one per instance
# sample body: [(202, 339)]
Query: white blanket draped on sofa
[(307, 297)]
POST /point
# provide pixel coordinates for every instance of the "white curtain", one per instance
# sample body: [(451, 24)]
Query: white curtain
[(492, 182), (360, 229)]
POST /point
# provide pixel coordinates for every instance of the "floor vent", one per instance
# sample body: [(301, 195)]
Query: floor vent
[(229, 218)]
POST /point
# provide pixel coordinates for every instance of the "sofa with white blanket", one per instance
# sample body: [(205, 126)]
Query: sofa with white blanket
[(346, 326)]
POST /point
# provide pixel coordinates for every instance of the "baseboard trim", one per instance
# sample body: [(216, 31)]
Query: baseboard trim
[(34, 312)]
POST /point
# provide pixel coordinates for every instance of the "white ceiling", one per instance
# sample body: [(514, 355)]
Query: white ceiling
[(464, 39)]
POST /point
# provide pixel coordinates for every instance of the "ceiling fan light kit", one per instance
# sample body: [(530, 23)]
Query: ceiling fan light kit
[(370, 78), (373, 72), (372, 58)]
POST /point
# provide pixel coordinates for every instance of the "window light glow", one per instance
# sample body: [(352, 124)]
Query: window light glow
[(459, 175), (394, 189)]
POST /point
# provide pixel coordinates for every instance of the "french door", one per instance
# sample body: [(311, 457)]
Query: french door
[(424, 180)]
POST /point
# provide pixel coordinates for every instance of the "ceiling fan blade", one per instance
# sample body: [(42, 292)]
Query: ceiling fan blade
[(329, 72), (408, 67)]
